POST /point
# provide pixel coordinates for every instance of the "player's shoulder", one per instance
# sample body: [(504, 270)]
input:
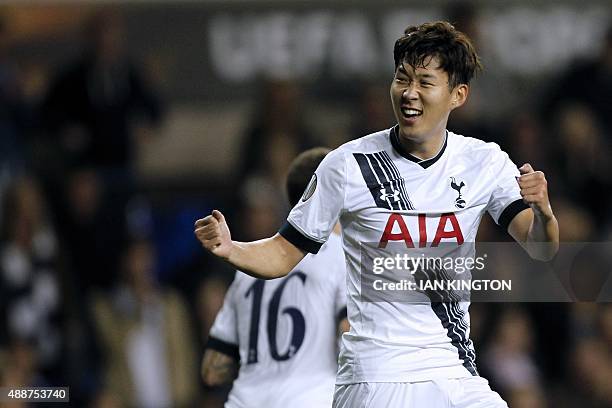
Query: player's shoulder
[(476, 149)]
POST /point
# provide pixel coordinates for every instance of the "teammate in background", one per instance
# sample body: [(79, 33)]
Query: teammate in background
[(283, 332), (419, 184)]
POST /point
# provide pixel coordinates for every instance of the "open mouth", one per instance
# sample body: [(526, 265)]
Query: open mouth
[(410, 113)]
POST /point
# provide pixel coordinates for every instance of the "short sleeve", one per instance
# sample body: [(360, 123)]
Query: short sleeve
[(223, 336), (311, 221), (505, 201)]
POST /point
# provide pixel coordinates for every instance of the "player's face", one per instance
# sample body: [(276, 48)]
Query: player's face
[(422, 100)]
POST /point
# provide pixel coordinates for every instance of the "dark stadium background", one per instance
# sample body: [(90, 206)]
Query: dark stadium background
[(102, 282)]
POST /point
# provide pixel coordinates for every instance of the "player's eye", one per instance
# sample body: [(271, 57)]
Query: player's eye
[(426, 84)]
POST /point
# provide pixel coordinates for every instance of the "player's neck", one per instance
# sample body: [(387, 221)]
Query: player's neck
[(423, 149)]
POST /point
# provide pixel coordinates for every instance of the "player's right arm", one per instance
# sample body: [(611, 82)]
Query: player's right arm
[(268, 258)]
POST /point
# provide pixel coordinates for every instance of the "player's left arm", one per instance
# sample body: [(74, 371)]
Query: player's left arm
[(218, 368), (536, 228)]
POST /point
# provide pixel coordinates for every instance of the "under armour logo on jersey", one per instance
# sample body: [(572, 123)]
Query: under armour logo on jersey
[(394, 194), (384, 181), (459, 201)]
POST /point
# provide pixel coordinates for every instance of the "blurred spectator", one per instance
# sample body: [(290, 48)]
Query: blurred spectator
[(148, 343), (580, 106), (591, 374), (509, 357), (589, 83), (99, 104), (605, 322), (91, 230), (277, 133), (93, 227), (529, 397), (30, 291), (106, 400), (582, 153), (578, 224), (19, 367), (13, 113), (473, 119), (262, 209), (527, 142), (373, 112), (590, 270)]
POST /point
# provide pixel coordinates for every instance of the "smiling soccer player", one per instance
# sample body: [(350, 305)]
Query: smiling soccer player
[(431, 185)]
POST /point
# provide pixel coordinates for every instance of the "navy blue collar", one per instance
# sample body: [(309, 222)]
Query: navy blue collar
[(395, 142)]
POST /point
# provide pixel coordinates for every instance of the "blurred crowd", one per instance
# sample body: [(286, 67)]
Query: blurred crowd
[(91, 298)]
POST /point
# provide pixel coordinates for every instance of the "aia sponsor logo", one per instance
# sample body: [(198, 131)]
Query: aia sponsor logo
[(448, 228)]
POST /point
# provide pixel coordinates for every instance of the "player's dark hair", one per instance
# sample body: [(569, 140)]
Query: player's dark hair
[(301, 170), (440, 39)]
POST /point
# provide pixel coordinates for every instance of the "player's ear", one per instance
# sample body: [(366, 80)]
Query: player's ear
[(459, 95)]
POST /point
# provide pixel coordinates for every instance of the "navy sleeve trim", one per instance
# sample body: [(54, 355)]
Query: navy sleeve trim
[(510, 212), (294, 236), (223, 347), (342, 314)]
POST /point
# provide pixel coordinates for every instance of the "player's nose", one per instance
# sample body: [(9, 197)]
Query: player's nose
[(410, 93)]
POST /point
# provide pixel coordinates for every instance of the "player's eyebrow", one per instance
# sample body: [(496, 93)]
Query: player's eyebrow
[(402, 70)]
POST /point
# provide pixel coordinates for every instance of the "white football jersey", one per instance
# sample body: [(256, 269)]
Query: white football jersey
[(382, 194), (285, 332)]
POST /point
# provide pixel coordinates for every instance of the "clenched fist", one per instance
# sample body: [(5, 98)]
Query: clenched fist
[(214, 235), (534, 190)]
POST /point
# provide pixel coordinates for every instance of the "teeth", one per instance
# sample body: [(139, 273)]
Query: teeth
[(410, 112)]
